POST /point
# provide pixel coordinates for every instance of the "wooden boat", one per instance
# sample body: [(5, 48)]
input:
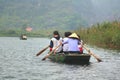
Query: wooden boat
[(23, 37), (80, 59)]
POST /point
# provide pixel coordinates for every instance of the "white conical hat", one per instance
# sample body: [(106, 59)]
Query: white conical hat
[(74, 35)]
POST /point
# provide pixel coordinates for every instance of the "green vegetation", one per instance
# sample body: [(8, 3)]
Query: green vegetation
[(106, 35), (43, 16), (34, 33)]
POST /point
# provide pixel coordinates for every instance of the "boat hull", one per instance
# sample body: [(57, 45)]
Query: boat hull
[(71, 58)]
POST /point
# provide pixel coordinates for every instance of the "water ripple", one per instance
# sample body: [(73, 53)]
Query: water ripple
[(18, 62)]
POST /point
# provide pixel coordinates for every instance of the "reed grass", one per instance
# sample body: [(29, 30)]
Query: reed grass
[(105, 35)]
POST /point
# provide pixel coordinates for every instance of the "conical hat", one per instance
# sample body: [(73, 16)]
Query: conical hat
[(74, 35)]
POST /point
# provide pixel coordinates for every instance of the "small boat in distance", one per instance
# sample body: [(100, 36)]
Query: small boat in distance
[(79, 59), (23, 37)]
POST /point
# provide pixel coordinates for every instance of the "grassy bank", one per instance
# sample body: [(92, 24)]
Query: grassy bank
[(105, 35)]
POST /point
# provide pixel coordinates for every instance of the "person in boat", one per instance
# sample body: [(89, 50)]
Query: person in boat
[(65, 46), (24, 36), (55, 41), (73, 42), (80, 45)]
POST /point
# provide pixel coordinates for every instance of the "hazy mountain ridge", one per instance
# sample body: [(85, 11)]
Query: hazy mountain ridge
[(65, 14)]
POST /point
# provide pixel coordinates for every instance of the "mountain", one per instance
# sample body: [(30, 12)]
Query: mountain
[(56, 14)]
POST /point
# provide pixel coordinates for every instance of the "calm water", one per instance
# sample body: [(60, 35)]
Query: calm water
[(18, 62)]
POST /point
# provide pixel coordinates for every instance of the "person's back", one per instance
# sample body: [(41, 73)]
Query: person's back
[(73, 42), (73, 45), (55, 41), (65, 46)]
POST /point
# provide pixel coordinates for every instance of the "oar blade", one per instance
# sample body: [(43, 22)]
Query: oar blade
[(43, 59), (91, 53), (42, 51), (47, 56), (99, 60)]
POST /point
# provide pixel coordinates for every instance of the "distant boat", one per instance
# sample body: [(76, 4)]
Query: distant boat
[(23, 37)]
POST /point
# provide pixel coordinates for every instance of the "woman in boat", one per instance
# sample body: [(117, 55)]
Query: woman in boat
[(73, 43), (65, 46), (55, 41)]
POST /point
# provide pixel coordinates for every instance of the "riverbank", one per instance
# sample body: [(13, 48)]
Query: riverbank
[(33, 33), (105, 35)]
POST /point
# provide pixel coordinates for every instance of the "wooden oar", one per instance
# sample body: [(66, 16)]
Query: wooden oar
[(91, 53), (42, 51), (51, 52)]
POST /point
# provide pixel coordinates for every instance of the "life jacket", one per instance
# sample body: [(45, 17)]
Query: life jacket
[(56, 43)]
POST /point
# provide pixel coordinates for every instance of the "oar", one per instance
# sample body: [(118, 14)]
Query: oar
[(91, 53), (42, 51), (51, 52)]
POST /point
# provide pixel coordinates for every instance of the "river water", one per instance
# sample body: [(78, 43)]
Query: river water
[(18, 62)]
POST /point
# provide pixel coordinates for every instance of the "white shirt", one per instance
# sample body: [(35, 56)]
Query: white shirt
[(73, 44), (56, 43), (65, 46)]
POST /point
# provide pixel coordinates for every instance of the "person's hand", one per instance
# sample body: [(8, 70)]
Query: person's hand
[(54, 52), (60, 42)]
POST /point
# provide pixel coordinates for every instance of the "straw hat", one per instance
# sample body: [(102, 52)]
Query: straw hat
[(74, 35)]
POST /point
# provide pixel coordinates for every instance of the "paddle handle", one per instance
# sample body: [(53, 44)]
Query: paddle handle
[(91, 53)]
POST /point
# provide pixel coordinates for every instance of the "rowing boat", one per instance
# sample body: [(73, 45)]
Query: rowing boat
[(70, 58), (23, 37)]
